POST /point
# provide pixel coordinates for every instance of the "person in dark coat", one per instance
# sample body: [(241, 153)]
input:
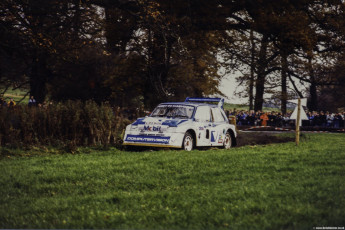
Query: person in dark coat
[(32, 101)]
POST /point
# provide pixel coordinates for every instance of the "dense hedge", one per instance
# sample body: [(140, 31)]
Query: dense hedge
[(71, 123)]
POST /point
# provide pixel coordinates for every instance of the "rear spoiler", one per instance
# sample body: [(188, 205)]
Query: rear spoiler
[(220, 101)]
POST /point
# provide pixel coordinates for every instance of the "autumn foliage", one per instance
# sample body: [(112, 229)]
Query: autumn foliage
[(140, 53)]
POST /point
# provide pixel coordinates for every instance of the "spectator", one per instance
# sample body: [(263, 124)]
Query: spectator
[(264, 119), (311, 118), (337, 120), (317, 119), (2, 102), (32, 101), (271, 118), (257, 118), (11, 103), (329, 118), (241, 118), (279, 120), (323, 119), (251, 118)]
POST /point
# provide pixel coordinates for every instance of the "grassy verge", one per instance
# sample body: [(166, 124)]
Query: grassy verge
[(17, 95), (254, 187)]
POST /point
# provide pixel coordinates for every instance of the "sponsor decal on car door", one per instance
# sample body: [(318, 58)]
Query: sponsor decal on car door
[(219, 119), (204, 122)]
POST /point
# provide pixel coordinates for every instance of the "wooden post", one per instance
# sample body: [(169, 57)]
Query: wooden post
[(297, 121)]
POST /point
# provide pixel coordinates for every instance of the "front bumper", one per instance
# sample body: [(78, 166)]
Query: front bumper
[(171, 140)]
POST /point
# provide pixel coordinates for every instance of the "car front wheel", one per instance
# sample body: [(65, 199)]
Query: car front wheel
[(188, 142), (227, 141)]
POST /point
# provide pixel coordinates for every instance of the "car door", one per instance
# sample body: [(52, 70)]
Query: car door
[(218, 129), (203, 122)]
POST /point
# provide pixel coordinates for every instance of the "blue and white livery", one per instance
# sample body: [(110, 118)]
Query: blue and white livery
[(184, 125)]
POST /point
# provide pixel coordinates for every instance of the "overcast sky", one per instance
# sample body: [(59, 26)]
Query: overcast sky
[(228, 86)]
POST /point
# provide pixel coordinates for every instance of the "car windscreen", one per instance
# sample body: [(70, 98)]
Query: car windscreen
[(178, 111)]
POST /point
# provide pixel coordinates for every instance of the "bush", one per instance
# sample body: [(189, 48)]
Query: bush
[(74, 123)]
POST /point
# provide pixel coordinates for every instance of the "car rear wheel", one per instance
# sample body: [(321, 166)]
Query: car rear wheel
[(188, 142), (227, 141)]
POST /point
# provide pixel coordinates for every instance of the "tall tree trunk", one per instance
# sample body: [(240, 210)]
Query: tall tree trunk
[(76, 20), (260, 80), (313, 104), (38, 78), (252, 71), (119, 27), (148, 100), (284, 71), (158, 66), (313, 101), (111, 17)]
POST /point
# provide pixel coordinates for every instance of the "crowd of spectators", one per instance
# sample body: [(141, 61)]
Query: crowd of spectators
[(10, 104), (326, 119), (277, 119)]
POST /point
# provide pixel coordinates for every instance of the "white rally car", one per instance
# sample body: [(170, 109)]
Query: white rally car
[(184, 125)]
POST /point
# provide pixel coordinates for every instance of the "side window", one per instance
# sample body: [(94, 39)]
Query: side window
[(217, 115), (203, 114)]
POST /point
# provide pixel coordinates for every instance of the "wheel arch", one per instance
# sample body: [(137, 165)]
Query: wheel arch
[(233, 138), (193, 133)]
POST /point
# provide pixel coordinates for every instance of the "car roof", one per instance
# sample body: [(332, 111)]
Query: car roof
[(189, 104)]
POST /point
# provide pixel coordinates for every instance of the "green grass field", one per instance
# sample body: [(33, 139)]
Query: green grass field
[(278, 186), (15, 94)]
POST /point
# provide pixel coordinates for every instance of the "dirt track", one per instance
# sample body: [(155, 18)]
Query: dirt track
[(261, 138)]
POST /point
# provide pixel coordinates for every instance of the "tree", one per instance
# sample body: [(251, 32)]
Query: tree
[(171, 45), (288, 31), (332, 97), (49, 33), (149, 51)]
